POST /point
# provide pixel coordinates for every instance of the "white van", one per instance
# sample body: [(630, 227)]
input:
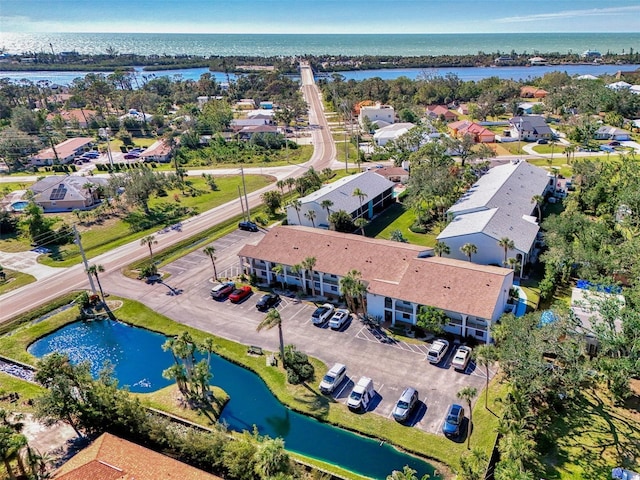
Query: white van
[(361, 395), (333, 378)]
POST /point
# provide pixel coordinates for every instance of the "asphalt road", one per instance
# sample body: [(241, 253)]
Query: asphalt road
[(392, 364), (25, 298)]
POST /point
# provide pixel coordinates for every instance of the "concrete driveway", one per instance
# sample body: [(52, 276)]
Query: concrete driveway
[(392, 364)]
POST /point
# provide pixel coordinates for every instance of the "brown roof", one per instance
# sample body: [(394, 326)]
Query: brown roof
[(82, 116), (393, 269), (158, 148), (113, 458), (64, 149)]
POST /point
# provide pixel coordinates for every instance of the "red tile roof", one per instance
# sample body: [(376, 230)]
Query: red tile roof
[(113, 458)]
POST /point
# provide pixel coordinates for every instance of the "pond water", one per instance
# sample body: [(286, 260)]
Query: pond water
[(139, 360)]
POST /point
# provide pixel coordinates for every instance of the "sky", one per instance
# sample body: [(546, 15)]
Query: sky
[(320, 16)]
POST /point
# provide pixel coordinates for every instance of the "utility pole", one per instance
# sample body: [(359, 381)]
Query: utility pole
[(77, 241), (104, 132), (246, 201), (241, 203)]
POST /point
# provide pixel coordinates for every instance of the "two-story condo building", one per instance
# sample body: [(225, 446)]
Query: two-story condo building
[(400, 277)]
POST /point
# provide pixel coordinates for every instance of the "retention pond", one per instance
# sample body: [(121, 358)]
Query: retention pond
[(139, 360)]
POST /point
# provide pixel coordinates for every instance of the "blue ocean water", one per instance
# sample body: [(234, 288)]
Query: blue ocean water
[(319, 44)]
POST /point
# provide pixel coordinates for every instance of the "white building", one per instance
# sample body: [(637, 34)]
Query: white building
[(400, 277), (376, 112), (499, 205), (391, 133), (379, 195)]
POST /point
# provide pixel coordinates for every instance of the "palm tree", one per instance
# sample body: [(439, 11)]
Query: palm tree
[(361, 196), (485, 355), (278, 269), (273, 319), (507, 244), (538, 200), (290, 183), (149, 241), (297, 271), (297, 205), (272, 460), (327, 204), (94, 270), (311, 215), (468, 394), (513, 263), (281, 184), (210, 250), (11, 442), (361, 223), (309, 264), (441, 248), (469, 249), (351, 286)]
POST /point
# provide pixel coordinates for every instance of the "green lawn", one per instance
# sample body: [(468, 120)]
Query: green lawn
[(305, 399), (14, 280), (398, 217), (98, 238)]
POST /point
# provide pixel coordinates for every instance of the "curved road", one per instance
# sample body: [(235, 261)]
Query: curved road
[(67, 279)]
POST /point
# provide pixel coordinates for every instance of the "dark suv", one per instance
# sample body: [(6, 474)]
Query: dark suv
[(453, 421), (248, 226)]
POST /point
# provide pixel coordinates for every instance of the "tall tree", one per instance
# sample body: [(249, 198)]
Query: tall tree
[(469, 249), (297, 206), (441, 248), (309, 264), (149, 241), (468, 394), (507, 244), (311, 216), (327, 204), (273, 319), (538, 200), (95, 270), (210, 251), (357, 192), (485, 355)]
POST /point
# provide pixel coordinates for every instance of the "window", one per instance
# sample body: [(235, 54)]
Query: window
[(388, 303), (334, 288)]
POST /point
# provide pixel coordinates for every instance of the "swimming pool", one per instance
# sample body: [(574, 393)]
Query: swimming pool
[(19, 206)]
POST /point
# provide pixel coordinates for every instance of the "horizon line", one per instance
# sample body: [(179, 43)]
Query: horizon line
[(325, 33)]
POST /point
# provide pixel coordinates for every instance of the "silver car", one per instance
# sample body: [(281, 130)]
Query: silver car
[(405, 404)]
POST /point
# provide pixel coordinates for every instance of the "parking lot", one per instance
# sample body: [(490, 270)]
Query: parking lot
[(393, 364)]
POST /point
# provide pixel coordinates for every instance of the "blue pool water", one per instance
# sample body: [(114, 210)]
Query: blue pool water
[(139, 361), (19, 206)]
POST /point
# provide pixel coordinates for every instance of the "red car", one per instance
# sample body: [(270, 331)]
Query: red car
[(240, 294)]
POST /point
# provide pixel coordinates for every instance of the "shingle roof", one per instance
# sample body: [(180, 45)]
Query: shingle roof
[(64, 149), (340, 192), (392, 269), (113, 458), (73, 184), (531, 123), (511, 185)]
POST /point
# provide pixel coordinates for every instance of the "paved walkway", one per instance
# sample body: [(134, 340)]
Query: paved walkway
[(27, 262)]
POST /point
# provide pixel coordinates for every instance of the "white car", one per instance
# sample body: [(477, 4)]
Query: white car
[(438, 350), (333, 378), (322, 314), (461, 358), (339, 318)]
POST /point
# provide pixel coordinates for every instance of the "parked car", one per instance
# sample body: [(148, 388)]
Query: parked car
[(543, 141), (405, 405), (615, 143), (248, 226), (461, 358), (267, 301), (333, 378), (438, 350), (131, 156), (322, 314), (91, 154), (453, 421), (240, 294), (339, 318), (222, 290), (361, 395)]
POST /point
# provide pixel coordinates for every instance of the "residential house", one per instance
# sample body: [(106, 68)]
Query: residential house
[(499, 205), (245, 133), (526, 108), (262, 113), (394, 174), (635, 89), (619, 86), (159, 151), (530, 128), (246, 104), (78, 116), (390, 133), (529, 91), (591, 54), (137, 116), (504, 60), (266, 105), (612, 133), (65, 193), (441, 112), (378, 191), (479, 133), (113, 458), (537, 61), (62, 153), (400, 277), (376, 112), (463, 109)]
